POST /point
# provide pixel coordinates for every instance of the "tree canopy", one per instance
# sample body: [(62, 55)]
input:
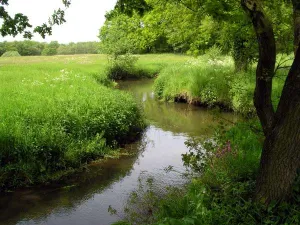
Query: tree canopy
[(20, 23), (192, 27)]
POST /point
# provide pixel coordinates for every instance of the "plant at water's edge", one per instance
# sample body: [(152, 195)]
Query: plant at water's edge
[(199, 154), (122, 67), (206, 82)]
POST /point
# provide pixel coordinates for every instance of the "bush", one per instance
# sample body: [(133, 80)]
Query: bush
[(11, 54), (123, 67)]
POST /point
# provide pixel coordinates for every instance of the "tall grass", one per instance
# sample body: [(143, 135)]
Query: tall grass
[(208, 82), (55, 116)]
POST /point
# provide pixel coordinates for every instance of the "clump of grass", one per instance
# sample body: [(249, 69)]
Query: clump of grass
[(195, 83), (57, 119), (212, 82)]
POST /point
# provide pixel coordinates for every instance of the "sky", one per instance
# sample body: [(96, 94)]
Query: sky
[(84, 18)]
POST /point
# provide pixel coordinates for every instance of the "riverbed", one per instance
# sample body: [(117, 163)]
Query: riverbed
[(110, 183)]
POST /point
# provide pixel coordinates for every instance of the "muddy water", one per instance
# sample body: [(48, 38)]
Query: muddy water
[(87, 199)]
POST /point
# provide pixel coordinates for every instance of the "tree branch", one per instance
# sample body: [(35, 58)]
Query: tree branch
[(186, 6)]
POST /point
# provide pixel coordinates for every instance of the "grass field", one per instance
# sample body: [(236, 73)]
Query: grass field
[(57, 113)]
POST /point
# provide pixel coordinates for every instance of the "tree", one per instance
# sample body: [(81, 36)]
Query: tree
[(19, 24), (51, 48), (280, 158)]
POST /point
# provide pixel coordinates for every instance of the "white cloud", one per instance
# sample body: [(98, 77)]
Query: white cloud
[(84, 18)]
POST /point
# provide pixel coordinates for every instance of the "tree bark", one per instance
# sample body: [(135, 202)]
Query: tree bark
[(266, 64), (281, 151), (296, 17)]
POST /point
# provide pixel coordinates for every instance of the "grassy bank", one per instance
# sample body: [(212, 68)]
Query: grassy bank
[(211, 82), (55, 116)]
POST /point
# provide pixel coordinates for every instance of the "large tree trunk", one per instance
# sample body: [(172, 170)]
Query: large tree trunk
[(266, 63), (281, 152), (296, 17)]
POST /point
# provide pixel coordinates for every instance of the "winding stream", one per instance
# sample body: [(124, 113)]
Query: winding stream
[(111, 182)]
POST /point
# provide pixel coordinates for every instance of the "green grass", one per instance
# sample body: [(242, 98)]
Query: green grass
[(54, 116), (208, 82)]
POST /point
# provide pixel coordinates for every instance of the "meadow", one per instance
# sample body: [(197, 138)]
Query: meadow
[(59, 113)]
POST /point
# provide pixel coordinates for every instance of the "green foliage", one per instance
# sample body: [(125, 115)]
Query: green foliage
[(200, 81), (51, 48), (211, 80), (185, 26), (33, 48), (11, 54), (19, 23), (124, 67), (242, 90), (121, 35), (58, 119), (78, 48)]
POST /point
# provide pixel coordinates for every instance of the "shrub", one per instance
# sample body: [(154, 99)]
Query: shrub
[(123, 67), (11, 54)]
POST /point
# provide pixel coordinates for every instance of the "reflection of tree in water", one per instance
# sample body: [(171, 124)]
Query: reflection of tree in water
[(174, 117)]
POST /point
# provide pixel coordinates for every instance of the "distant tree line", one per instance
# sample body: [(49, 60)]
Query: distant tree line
[(33, 48)]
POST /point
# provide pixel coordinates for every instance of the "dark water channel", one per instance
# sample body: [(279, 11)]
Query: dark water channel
[(111, 182)]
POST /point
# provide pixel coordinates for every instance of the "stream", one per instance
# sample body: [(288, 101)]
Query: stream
[(111, 182)]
